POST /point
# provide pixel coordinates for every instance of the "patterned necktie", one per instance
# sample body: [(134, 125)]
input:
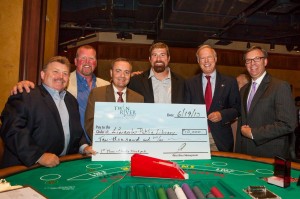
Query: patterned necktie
[(120, 99), (208, 93), (252, 92)]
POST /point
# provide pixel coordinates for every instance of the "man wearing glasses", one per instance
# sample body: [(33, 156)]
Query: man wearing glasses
[(268, 115)]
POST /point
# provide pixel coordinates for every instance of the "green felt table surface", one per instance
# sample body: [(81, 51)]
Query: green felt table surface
[(84, 178)]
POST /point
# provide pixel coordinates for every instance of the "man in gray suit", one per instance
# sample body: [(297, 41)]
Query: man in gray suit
[(268, 114), (117, 91)]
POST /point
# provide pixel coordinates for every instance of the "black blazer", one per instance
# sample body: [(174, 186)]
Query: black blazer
[(142, 84), (31, 126), (226, 100)]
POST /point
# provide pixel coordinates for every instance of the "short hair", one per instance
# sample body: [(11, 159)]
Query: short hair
[(85, 47), (265, 53), (205, 46), (120, 59), (59, 59), (159, 45)]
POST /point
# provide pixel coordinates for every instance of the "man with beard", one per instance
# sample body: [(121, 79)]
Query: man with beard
[(159, 84), (120, 73), (220, 93), (81, 81), (39, 126)]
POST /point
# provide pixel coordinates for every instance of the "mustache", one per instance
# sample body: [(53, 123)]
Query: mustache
[(60, 79)]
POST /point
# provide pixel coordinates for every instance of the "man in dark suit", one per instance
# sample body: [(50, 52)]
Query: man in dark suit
[(159, 84), (120, 73), (222, 106), (39, 126), (268, 114)]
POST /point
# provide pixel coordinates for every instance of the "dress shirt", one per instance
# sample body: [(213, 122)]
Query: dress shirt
[(117, 95), (212, 82), (83, 90), (258, 81), (58, 98), (161, 88)]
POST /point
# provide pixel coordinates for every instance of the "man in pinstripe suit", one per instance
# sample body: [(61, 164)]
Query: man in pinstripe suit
[(269, 120)]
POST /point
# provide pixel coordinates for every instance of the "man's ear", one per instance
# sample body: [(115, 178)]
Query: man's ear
[(42, 75), (266, 62)]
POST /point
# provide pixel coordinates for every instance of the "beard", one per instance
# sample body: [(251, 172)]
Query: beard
[(86, 71), (159, 67)]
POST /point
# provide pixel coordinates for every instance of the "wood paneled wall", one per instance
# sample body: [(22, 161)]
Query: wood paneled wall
[(140, 52), (183, 61)]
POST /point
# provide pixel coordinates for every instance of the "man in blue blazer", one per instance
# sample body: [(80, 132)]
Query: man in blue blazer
[(225, 104), (268, 120), (40, 126)]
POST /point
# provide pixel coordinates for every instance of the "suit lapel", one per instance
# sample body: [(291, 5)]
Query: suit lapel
[(260, 91), (218, 92), (110, 96), (199, 93), (245, 97), (49, 102), (148, 85), (174, 84)]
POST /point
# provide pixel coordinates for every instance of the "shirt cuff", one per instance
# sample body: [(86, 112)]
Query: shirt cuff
[(82, 148)]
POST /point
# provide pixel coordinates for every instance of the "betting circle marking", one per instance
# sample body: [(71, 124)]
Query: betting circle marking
[(264, 171), (219, 164), (94, 166), (50, 177)]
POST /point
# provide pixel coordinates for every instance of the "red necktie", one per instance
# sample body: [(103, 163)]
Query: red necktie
[(120, 99), (208, 93)]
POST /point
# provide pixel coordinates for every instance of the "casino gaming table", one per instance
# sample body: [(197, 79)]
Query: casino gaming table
[(79, 177)]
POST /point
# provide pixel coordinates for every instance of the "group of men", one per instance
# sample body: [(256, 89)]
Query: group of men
[(264, 128)]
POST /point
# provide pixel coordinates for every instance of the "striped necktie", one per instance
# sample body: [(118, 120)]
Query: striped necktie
[(120, 99)]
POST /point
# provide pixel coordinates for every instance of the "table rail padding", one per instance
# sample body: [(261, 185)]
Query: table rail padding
[(18, 169)]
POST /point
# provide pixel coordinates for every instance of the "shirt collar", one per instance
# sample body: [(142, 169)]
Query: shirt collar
[(153, 75), (212, 75), (259, 80), (55, 93), (116, 90), (80, 78)]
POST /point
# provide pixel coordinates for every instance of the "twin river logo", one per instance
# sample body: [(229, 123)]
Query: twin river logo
[(124, 111)]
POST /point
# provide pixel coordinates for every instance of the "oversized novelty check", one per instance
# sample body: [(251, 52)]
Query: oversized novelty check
[(165, 131)]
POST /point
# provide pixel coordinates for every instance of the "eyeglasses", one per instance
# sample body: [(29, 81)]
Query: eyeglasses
[(255, 59)]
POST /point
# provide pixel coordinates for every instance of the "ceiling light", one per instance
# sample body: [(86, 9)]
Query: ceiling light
[(65, 49), (124, 35), (223, 42), (272, 46), (289, 47), (248, 45)]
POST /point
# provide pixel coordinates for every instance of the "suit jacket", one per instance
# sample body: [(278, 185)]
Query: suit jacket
[(226, 100), (104, 94), (31, 126), (143, 85), (72, 86), (272, 118)]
